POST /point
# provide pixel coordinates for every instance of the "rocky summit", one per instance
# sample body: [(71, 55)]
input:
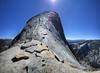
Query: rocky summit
[(41, 47)]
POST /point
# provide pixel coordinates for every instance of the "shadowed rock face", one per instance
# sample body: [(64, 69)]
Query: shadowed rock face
[(4, 44), (40, 47)]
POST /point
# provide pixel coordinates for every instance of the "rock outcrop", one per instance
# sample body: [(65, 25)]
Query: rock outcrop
[(40, 47), (47, 28)]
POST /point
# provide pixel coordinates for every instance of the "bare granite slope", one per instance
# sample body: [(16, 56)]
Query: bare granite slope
[(40, 47)]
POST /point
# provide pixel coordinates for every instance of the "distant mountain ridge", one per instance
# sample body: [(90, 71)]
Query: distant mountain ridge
[(87, 51), (4, 44)]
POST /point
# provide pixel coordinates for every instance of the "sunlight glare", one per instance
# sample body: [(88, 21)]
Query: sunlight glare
[(53, 1)]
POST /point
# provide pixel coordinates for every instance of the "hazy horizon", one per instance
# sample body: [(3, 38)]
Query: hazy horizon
[(67, 38)]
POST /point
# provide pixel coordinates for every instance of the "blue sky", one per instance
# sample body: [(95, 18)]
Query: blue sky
[(80, 18)]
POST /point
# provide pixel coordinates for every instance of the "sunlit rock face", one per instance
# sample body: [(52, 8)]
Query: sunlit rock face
[(40, 47), (47, 28), (47, 22)]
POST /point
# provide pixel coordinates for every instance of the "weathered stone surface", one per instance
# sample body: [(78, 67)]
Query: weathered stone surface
[(40, 48), (47, 29)]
